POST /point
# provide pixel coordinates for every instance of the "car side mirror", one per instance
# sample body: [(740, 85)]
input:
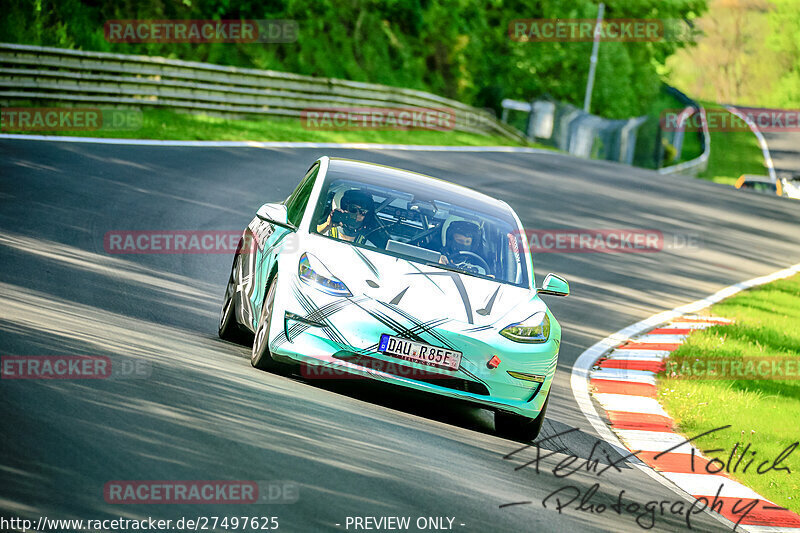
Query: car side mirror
[(275, 214), (554, 285)]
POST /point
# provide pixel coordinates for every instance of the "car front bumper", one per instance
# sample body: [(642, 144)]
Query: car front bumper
[(337, 337)]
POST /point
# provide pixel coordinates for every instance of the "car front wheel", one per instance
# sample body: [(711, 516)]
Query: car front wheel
[(261, 357), (519, 427), (228, 327)]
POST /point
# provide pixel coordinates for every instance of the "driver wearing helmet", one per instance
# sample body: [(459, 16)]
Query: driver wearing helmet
[(463, 238), (355, 221)]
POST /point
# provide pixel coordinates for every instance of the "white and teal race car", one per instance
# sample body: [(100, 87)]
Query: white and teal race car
[(400, 277)]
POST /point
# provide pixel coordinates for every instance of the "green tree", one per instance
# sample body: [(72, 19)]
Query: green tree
[(457, 48)]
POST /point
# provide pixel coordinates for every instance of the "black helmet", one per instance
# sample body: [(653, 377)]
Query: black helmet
[(359, 198), (355, 197), (467, 229)]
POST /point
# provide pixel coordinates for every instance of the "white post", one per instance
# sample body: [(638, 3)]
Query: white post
[(587, 100)]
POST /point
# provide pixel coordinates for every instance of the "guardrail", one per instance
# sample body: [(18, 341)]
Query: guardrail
[(56, 74), (700, 163), (571, 129), (762, 142)]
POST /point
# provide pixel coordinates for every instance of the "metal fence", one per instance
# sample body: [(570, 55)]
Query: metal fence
[(573, 130), (75, 76), (698, 164)]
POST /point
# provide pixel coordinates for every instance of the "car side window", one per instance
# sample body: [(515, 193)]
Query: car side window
[(297, 201)]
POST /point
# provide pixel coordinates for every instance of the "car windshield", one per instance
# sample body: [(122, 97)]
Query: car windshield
[(421, 219)]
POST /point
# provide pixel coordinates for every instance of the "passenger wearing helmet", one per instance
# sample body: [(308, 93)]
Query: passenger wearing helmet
[(355, 221)]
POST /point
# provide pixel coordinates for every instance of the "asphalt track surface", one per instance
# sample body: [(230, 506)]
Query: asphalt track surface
[(355, 449), (783, 148)]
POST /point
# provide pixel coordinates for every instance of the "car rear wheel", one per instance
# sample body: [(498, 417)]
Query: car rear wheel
[(261, 357), (228, 327), (520, 427)]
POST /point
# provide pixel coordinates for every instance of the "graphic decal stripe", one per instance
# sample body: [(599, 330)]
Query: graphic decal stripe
[(462, 290), (424, 327), (412, 333), (396, 299), (316, 314), (397, 328), (297, 328), (479, 328), (367, 262), (488, 308), (426, 276), (473, 376), (321, 314)]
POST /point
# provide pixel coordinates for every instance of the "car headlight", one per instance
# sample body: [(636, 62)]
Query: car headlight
[(314, 273), (534, 329)]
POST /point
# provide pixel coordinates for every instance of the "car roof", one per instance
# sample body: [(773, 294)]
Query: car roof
[(363, 169)]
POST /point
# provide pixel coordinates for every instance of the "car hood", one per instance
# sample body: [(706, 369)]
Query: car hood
[(423, 291)]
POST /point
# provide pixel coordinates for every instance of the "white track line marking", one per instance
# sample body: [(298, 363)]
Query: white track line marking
[(579, 380), (687, 325), (660, 339), (771, 529), (630, 404), (708, 485), (713, 319), (638, 355), (654, 441), (625, 374), (279, 144)]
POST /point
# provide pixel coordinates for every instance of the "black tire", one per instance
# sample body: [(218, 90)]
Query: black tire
[(520, 427), (228, 328), (260, 357)]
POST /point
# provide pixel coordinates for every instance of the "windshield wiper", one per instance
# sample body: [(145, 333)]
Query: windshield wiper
[(467, 272), (451, 268)]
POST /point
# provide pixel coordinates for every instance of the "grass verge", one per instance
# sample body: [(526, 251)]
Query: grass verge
[(762, 413), (164, 124), (733, 153)]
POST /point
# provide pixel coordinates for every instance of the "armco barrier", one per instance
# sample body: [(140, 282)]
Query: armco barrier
[(700, 163), (571, 129), (79, 77)]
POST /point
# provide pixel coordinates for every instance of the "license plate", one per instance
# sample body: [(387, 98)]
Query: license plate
[(419, 352)]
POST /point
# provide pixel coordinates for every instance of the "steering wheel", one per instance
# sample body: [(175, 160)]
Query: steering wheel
[(481, 262)]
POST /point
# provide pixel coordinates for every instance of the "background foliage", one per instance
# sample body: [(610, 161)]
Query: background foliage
[(749, 55), (456, 48)]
